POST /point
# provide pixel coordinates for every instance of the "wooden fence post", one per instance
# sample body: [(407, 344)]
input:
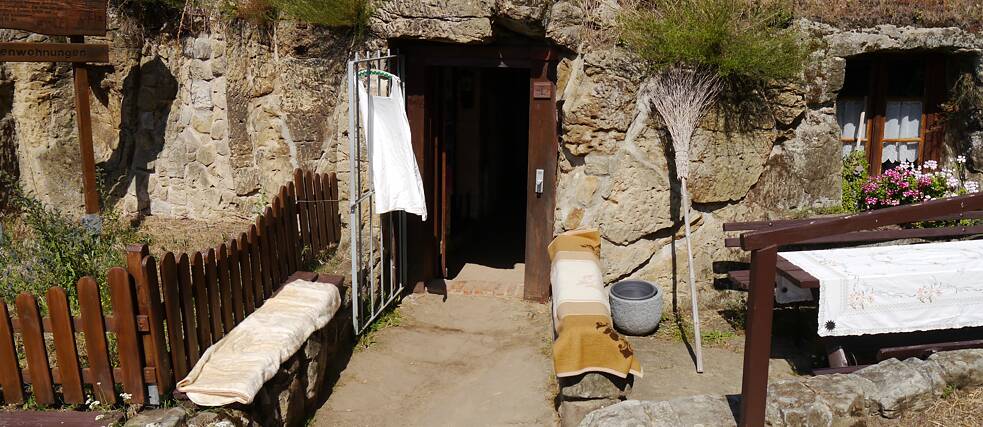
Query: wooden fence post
[(304, 220), (312, 214), (131, 362), (10, 374), (235, 284), (96, 349), (66, 352), (149, 291), (295, 241), (214, 296), (190, 322), (225, 289), (172, 314), (246, 268), (202, 316), (34, 347), (149, 304), (332, 206), (757, 347)]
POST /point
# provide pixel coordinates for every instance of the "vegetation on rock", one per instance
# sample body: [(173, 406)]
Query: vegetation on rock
[(855, 175), (734, 38), (352, 14), (965, 14)]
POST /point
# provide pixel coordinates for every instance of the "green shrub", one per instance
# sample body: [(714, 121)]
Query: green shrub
[(854, 172), (42, 247), (256, 12), (329, 13), (734, 38)]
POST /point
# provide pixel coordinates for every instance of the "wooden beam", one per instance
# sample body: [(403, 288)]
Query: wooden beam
[(882, 235), (862, 221), (83, 118), (54, 52), (757, 342)]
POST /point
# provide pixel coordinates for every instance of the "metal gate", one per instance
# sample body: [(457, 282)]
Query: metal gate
[(377, 241)]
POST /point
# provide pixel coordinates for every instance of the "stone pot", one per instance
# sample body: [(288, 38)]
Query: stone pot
[(636, 306)]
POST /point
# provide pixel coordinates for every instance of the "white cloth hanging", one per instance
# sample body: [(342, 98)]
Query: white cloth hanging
[(395, 174)]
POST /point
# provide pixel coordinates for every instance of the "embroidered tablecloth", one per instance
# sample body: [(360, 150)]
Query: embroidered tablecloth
[(902, 288)]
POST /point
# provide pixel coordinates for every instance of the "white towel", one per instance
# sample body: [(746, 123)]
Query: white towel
[(889, 289), (235, 368), (395, 175), (578, 286)]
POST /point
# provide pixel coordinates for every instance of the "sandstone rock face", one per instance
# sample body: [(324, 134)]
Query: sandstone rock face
[(209, 125), (455, 21)]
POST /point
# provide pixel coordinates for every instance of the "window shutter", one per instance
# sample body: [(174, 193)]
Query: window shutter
[(935, 94)]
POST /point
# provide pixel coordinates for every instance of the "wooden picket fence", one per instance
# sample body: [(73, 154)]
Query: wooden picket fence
[(164, 316)]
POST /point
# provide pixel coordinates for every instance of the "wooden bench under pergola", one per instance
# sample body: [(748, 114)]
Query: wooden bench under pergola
[(763, 239)]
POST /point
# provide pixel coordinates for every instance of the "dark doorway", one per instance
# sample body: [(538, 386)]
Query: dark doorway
[(483, 144), (510, 128)]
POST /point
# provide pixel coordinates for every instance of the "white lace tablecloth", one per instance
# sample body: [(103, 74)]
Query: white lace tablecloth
[(903, 288)]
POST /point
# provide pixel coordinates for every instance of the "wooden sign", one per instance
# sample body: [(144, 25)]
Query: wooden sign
[(55, 17), (53, 52), (542, 90)]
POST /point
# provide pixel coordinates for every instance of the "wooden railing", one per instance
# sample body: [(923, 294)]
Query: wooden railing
[(763, 245), (163, 316)]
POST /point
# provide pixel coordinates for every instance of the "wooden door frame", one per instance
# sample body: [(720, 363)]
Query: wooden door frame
[(543, 152)]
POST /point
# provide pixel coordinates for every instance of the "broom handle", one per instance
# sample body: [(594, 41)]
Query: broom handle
[(698, 338)]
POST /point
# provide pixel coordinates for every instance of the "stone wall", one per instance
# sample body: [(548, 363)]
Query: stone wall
[(885, 390), (206, 125)]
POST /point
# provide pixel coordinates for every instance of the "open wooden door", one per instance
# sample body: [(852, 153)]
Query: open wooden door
[(430, 115)]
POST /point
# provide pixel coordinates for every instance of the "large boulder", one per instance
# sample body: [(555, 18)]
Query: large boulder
[(687, 411)]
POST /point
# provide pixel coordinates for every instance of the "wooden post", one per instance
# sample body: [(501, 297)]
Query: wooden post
[(757, 347), (84, 120)]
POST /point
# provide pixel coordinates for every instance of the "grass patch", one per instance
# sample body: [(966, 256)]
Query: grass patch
[(714, 337), (680, 330), (955, 408), (388, 319)]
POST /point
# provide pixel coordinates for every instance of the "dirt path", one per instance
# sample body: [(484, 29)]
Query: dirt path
[(468, 360)]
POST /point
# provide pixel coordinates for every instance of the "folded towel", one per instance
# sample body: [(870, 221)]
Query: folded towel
[(589, 343), (578, 287), (586, 340), (235, 368), (577, 240)]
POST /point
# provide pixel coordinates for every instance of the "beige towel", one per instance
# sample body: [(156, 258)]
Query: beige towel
[(235, 368), (588, 343)]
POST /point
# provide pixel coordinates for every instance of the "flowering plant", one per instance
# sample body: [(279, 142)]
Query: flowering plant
[(908, 184)]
